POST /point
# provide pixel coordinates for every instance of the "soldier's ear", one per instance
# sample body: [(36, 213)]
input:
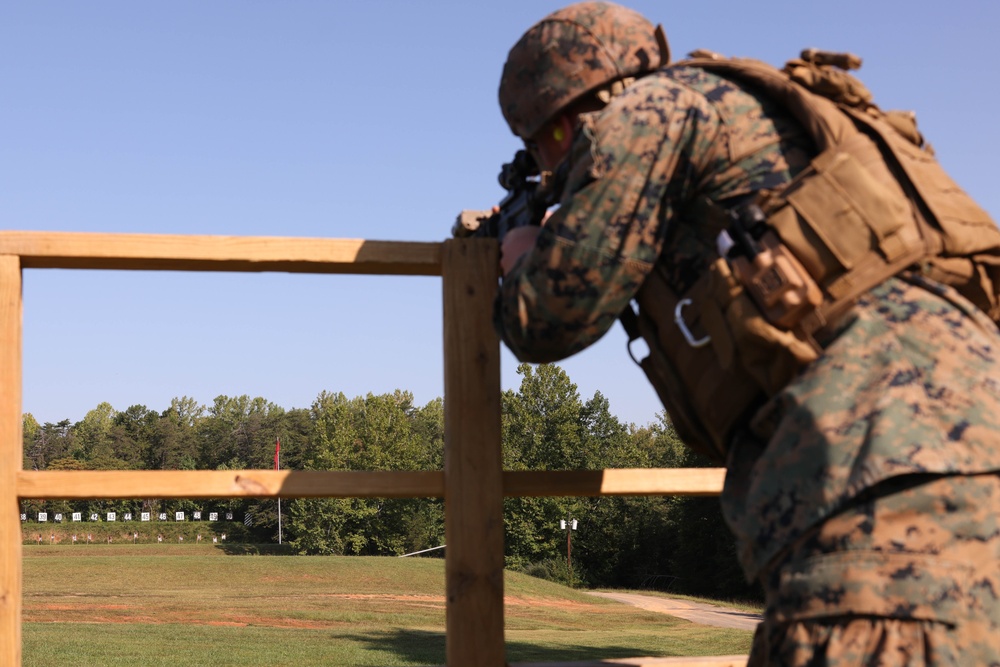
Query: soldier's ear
[(562, 132)]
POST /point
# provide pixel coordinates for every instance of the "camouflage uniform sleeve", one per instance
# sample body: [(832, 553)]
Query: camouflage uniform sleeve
[(631, 166)]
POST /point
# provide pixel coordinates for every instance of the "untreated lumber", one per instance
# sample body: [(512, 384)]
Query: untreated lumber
[(472, 460), (83, 484), (176, 252), (10, 459), (618, 482)]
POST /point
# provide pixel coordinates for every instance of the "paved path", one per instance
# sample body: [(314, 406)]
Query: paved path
[(696, 612)]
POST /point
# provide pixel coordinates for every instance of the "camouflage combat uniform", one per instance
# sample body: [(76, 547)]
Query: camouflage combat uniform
[(869, 510)]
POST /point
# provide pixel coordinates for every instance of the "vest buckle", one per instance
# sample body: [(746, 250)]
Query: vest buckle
[(682, 325)]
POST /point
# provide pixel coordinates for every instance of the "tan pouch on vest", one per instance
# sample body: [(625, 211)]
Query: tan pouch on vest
[(702, 398), (848, 221), (964, 240), (713, 357)]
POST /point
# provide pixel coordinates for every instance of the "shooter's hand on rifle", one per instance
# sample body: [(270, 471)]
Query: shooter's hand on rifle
[(525, 204)]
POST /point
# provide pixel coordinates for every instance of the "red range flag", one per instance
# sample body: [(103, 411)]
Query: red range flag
[(277, 453)]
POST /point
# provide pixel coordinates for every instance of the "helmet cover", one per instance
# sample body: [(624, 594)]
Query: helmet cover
[(569, 53)]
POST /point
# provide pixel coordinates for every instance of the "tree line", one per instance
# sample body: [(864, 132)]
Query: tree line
[(620, 541)]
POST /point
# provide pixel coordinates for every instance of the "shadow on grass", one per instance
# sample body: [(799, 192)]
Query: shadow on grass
[(428, 648), (247, 549)]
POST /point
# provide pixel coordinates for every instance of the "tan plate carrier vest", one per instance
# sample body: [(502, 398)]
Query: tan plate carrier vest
[(872, 204)]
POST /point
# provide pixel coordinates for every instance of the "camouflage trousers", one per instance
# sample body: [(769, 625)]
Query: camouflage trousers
[(909, 574)]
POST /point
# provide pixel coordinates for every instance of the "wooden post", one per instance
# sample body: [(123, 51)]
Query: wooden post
[(10, 460), (472, 458)]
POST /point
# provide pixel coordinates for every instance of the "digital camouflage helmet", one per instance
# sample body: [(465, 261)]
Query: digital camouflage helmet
[(580, 49)]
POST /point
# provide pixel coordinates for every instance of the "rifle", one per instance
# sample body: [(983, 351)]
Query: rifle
[(529, 195)]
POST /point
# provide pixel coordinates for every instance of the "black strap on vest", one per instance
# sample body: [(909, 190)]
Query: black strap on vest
[(630, 322)]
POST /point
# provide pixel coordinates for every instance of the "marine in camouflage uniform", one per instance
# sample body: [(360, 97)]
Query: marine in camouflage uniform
[(869, 509)]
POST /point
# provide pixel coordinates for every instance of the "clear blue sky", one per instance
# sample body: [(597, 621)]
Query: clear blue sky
[(373, 120)]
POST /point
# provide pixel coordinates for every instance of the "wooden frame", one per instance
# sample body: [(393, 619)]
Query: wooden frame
[(472, 483)]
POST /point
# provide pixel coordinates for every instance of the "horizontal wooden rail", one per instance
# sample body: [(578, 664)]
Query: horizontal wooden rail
[(615, 482), (169, 252), (82, 484)]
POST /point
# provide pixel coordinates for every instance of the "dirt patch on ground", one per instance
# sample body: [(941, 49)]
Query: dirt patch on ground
[(99, 614), (74, 607), (386, 597), (87, 612), (564, 605), (509, 600), (696, 612)]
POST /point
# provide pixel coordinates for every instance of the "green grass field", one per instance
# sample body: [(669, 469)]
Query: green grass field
[(194, 605)]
